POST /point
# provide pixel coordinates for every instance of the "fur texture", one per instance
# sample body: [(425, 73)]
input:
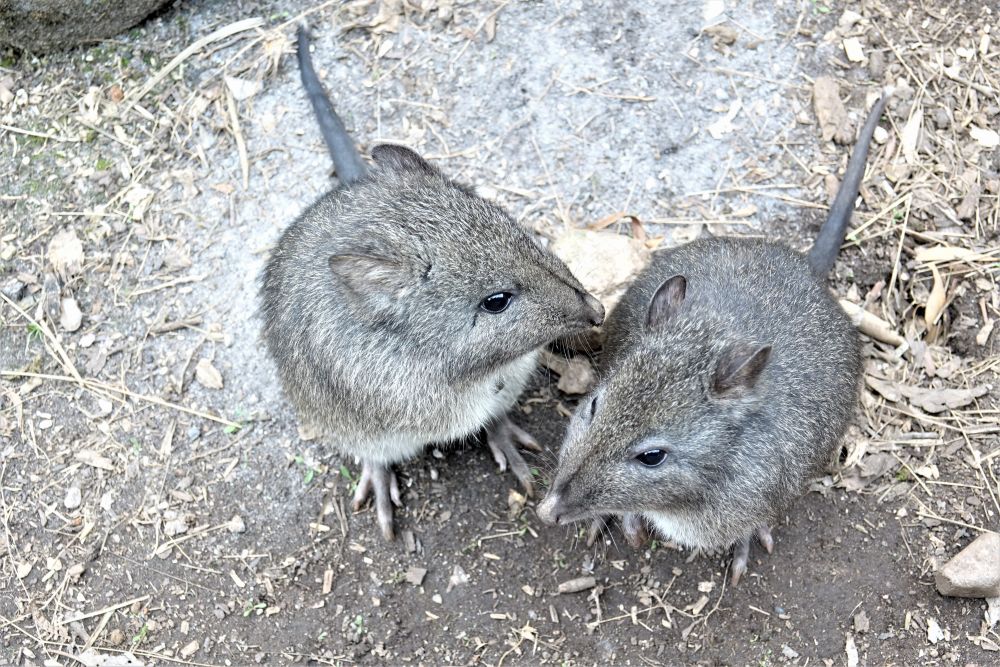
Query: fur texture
[(371, 308), (743, 430)]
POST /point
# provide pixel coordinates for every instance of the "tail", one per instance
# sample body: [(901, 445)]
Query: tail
[(346, 158), (831, 236)]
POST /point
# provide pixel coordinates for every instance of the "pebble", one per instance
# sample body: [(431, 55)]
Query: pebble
[(71, 317), (73, 498), (974, 572), (193, 433), (236, 524), (12, 289)]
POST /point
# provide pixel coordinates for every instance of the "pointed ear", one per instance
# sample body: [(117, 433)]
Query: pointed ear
[(738, 369), (366, 275), (400, 158), (665, 302)]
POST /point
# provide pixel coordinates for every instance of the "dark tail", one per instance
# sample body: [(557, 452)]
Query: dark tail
[(346, 158), (831, 236)]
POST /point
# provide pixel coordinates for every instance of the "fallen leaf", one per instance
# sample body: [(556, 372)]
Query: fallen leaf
[(66, 253), (939, 400), (910, 134), (853, 50), (934, 632), (985, 137), (242, 89), (208, 375), (851, 649), (830, 111), (457, 578), (935, 301), (947, 253), (94, 459), (576, 374), (984, 332)]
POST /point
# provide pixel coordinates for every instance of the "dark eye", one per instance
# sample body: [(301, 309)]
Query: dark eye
[(593, 407), (496, 303), (651, 458)]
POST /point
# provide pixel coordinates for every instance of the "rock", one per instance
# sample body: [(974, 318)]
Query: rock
[(576, 375), (70, 317), (65, 251), (236, 524), (73, 498), (13, 289), (974, 572), (40, 26), (604, 262)]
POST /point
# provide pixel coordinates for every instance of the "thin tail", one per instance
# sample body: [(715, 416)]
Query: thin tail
[(823, 254), (346, 158)]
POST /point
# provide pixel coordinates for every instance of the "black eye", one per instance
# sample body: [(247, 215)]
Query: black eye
[(651, 458), (496, 303), (593, 407)]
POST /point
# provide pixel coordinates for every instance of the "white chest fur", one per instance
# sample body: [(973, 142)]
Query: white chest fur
[(676, 527)]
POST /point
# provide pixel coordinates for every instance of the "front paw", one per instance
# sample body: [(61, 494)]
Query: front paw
[(505, 440), (633, 527)]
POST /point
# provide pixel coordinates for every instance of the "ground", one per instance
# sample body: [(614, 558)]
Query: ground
[(156, 495)]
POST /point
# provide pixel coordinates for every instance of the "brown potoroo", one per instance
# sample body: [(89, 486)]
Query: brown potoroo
[(402, 309), (729, 376)]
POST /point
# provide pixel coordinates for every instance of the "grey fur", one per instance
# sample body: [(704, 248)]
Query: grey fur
[(736, 456), (371, 310), (732, 357)]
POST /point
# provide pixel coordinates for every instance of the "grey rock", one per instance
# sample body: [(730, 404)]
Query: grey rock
[(41, 26), (974, 572), (13, 289), (73, 498)]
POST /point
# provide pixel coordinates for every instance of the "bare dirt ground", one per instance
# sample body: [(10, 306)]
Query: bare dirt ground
[(158, 504)]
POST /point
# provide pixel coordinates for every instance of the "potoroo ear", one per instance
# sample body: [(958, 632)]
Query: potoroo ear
[(666, 301)]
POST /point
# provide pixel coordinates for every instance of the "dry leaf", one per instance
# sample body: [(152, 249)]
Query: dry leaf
[(576, 375), (242, 89), (853, 50), (947, 253), (70, 318), (66, 253), (984, 333), (934, 633), (910, 134), (94, 459), (985, 137), (208, 375), (935, 301), (871, 325), (851, 649), (830, 112)]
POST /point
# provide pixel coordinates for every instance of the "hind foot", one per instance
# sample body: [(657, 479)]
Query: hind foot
[(505, 440), (633, 527), (741, 551), (380, 481)]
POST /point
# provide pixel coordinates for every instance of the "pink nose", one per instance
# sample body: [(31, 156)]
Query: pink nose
[(548, 509)]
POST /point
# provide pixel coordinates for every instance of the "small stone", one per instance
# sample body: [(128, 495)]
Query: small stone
[(193, 433), (173, 527), (974, 572), (208, 375), (861, 622), (12, 289), (236, 524), (71, 317), (789, 652), (415, 575), (881, 135), (116, 637), (73, 498), (848, 19), (190, 649)]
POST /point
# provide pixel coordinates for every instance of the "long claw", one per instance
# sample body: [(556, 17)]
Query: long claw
[(741, 550), (765, 538), (500, 438), (595, 530), (379, 481), (635, 530), (741, 553), (525, 439)]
